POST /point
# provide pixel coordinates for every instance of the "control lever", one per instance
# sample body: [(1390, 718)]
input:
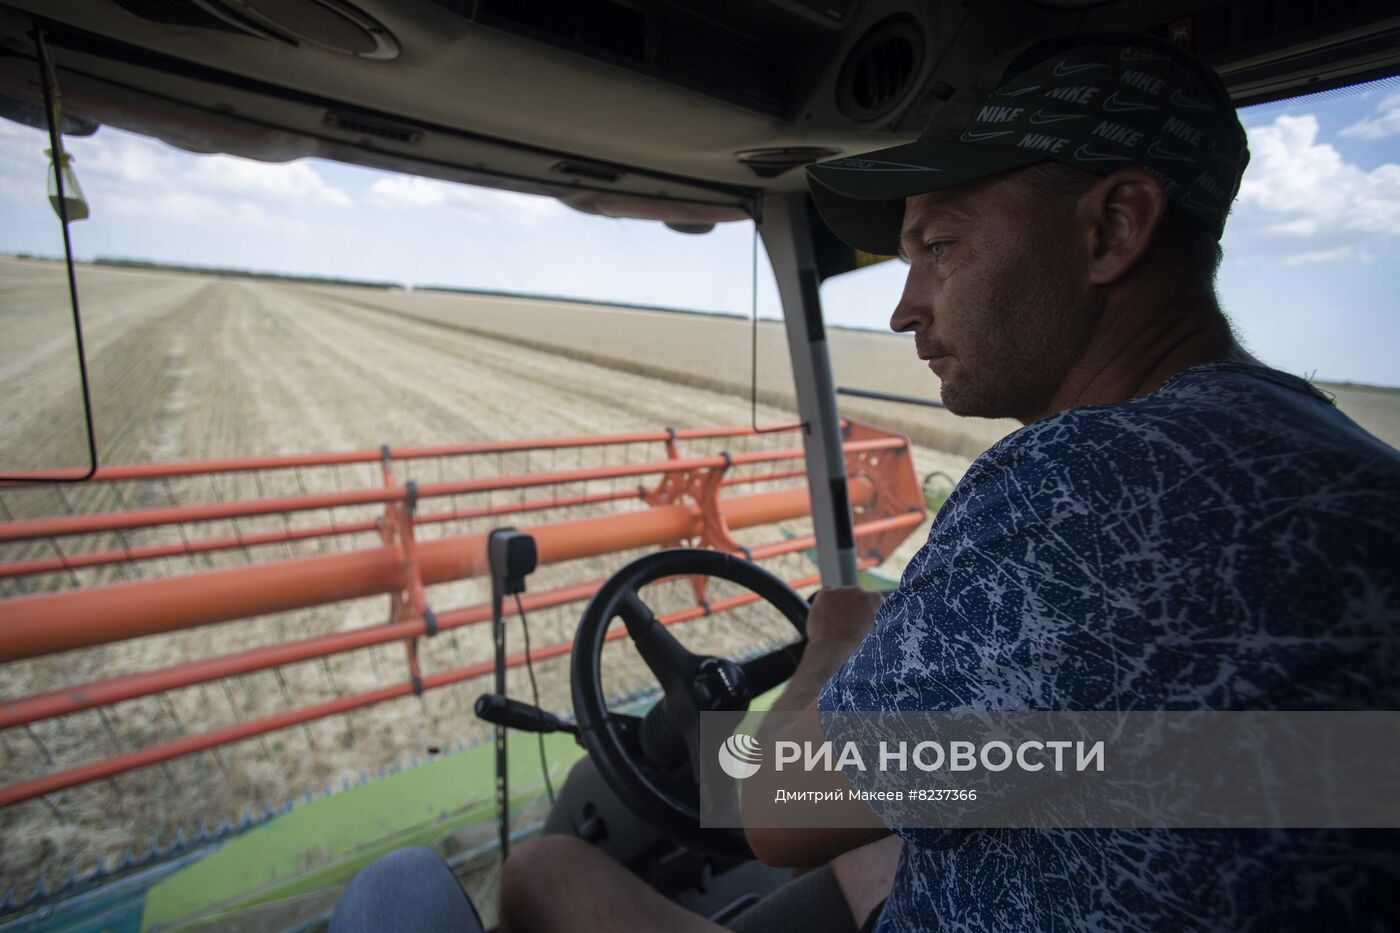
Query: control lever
[(513, 714), (512, 555)]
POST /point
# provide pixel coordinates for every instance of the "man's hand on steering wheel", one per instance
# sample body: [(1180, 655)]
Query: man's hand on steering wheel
[(843, 615)]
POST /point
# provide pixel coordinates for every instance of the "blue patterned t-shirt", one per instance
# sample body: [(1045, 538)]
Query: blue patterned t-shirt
[(1229, 541)]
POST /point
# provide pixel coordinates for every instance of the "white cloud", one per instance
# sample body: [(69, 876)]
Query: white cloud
[(186, 208), (129, 159), (405, 191), (1385, 123), (136, 177), (1305, 188), (1337, 254), (283, 182), (139, 177)]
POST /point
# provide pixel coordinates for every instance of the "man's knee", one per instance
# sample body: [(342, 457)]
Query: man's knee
[(533, 871), (408, 863), (406, 889)]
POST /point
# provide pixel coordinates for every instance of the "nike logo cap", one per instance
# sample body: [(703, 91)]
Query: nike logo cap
[(1097, 102)]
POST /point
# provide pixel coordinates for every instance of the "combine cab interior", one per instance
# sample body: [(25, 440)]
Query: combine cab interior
[(690, 115)]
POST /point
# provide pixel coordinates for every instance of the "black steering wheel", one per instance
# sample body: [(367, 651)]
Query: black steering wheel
[(647, 760)]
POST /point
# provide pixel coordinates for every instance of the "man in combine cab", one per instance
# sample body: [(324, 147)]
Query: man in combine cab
[(1176, 527)]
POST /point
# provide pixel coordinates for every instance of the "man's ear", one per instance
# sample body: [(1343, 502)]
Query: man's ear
[(1119, 216)]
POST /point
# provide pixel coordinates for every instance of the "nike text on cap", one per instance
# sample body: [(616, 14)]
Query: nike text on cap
[(1095, 102)]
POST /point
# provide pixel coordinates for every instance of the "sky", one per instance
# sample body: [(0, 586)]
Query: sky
[(1311, 275)]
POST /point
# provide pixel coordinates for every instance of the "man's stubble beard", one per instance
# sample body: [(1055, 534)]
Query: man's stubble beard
[(1021, 341)]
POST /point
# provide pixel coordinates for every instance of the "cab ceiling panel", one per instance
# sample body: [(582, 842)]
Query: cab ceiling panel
[(735, 97), (644, 96)]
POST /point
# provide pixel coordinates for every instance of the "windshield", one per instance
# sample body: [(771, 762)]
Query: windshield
[(277, 352)]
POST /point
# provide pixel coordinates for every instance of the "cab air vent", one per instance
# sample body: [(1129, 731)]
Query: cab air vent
[(880, 70), (585, 170), (373, 127)]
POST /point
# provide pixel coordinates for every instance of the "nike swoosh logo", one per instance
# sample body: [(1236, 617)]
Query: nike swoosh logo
[(1062, 70), (1157, 152), (1085, 154), (969, 136), (1181, 100), (1137, 55), (1114, 104), (1016, 93), (866, 165), (1219, 156), (1040, 117), (1189, 200)]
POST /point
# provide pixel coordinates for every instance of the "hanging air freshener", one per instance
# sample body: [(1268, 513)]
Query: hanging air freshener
[(72, 197)]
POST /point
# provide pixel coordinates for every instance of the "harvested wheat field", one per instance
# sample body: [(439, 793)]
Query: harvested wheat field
[(192, 367)]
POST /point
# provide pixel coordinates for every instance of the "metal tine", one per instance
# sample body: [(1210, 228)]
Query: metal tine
[(107, 724), (169, 773), (339, 487), (233, 707), (301, 488), (163, 699), (237, 531), (287, 529), (53, 808), (116, 790), (43, 749), (287, 696), (121, 536), (15, 582), (216, 751), (330, 678), (180, 527), (214, 487), (67, 506), (72, 573), (258, 485), (166, 561), (228, 695)]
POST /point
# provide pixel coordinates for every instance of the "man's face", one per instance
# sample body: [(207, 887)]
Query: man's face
[(996, 296)]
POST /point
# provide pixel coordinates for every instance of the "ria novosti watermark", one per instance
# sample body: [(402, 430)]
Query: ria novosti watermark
[(1200, 769)]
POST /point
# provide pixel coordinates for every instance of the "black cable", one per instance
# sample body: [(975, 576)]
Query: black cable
[(535, 690), (48, 81)]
